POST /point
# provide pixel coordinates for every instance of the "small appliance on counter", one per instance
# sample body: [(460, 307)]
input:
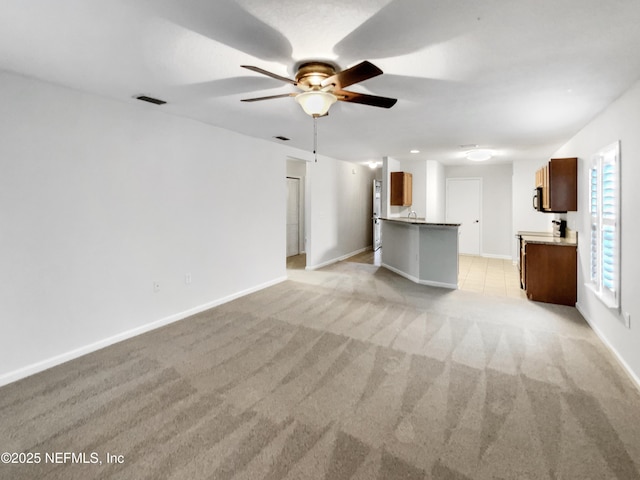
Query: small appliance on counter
[(559, 228)]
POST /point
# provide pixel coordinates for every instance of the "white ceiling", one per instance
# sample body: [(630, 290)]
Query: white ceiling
[(517, 76)]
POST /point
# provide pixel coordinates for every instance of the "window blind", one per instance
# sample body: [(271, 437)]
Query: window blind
[(604, 205)]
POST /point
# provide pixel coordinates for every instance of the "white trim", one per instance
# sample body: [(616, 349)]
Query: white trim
[(301, 212), (453, 286), (605, 299), (493, 255), (37, 367), (601, 222), (628, 370), (338, 259)]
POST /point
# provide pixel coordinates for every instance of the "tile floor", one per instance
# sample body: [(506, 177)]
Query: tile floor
[(489, 276)]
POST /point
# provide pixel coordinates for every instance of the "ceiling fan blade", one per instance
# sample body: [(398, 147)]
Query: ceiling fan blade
[(269, 74), (355, 74), (257, 99), (363, 98)]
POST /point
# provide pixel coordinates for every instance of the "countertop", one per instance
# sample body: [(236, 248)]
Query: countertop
[(418, 221), (547, 238)]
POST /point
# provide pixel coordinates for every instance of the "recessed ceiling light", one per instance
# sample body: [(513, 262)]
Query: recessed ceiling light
[(415, 151), (479, 155)]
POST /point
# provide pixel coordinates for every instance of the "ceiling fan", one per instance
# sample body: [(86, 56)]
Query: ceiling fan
[(322, 86)]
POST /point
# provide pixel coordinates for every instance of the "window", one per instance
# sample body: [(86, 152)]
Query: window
[(604, 205)]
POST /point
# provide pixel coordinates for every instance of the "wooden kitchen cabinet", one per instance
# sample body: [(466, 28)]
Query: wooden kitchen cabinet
[(401, 189), (549, 272), (559, 182)]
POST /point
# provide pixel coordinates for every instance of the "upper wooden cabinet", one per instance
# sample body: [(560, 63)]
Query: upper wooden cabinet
[(559, 182), (401, 189)]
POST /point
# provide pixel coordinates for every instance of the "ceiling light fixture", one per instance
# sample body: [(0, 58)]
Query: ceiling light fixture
[(414, 151), (316, 102), (479, 155)]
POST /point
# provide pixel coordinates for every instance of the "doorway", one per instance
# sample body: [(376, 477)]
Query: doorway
[(377, 205), (464, 206), (293, 216)]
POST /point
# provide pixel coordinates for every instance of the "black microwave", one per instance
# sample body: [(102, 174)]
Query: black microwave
[(537, 199)]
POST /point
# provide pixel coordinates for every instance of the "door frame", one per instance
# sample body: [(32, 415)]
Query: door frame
[(301, 210), (376, 215), (446, 214)]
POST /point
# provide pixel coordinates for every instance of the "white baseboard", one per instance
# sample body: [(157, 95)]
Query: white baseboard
[(338, 259), (500, 257), (634, 378), (37, 367), (453, 286)]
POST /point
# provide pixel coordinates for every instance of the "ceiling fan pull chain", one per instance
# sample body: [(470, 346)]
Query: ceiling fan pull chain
[(315, 138)]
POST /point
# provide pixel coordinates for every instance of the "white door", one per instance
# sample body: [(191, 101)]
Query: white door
[(464, 204), (293, 216), (377, 205)]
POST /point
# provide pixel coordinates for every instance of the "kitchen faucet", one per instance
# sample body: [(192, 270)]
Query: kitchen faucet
[(412, 212)]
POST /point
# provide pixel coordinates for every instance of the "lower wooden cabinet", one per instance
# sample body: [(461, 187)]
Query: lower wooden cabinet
[(549, 272)]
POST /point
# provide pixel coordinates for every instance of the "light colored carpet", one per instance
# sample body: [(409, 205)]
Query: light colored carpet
[(350, 372)]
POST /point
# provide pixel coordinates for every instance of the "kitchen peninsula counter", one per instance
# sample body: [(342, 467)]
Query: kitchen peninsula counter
[(424, 252)]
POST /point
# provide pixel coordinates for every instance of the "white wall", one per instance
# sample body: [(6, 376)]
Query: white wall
[(436, 192), (340, 210), (389, 165), (620, 121), (418, 170), (525, 218), (429, 189), (497, 234), (100, 199)]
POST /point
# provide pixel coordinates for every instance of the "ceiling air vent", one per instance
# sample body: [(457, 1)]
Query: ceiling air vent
[(155, 101), (284, 139)]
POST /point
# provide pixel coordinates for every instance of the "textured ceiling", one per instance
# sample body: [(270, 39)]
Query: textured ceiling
[(518, 76)]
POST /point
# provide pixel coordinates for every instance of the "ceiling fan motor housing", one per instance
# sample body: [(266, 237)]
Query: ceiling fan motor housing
[(310, 75)]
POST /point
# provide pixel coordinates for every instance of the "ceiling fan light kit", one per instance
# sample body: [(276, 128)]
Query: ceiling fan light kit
[(316, 102)]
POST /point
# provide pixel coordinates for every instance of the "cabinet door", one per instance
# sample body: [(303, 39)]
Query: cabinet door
[(545, 188), (401, 189), (563, 184), (523, 266), (540, 178), (407, 197), (551, 273)]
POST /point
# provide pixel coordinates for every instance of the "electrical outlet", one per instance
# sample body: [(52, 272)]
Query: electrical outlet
[(156, 287), (187, 278), (627, 319)]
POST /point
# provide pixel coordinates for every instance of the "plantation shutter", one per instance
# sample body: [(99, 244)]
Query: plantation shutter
[(610, 207), (595, 222), (604, 204)]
